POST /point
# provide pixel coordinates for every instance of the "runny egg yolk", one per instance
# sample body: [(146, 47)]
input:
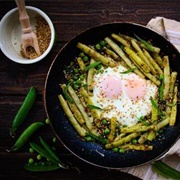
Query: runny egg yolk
[(135, 88), (111, 87)]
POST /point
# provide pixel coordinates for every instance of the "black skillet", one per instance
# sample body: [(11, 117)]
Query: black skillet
[(94, 153)]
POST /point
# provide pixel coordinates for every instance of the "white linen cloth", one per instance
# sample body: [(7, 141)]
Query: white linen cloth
[(170, 29)]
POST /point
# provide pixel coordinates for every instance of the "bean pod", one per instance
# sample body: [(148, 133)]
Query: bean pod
[(49, 149), (43, 152), (25, 136), (165, 170), (23, 110), (41, 166)]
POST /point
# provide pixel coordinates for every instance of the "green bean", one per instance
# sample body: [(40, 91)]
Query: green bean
[(49, 149), (23, 110), (25, 136), (41, 166)]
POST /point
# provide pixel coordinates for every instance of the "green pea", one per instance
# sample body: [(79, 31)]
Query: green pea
[(160, 131), (31, 161), (88, 138), (47, 121), (54, 139), (39, 157), (115, 149), (104, 121), (75, 77), (76, 70), (76, 86), (97, 46), (102, 43), (81, 77), (122, 150), (78, 82), (106, 131), (31, 150), (134, 141), (85, 58)]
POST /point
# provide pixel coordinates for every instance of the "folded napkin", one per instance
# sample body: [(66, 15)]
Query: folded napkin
[(170, 29)]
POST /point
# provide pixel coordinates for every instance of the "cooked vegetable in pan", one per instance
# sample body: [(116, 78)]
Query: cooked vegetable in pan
[(120, 92)]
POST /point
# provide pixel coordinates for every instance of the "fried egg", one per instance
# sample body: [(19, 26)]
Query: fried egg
[(125, 96)]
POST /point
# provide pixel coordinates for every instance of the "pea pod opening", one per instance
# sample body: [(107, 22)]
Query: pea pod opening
[(23, 110), (47, 152), (41, 166)]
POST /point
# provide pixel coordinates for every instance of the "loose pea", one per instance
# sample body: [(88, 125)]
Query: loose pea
[(47, 121), (134, 141), (76, 70), (81, 77), (54, 139), (122, 150), (106, 131), (31, 161), (39, 157), (115, 149), (160, 131), (88, 138), (85, 58), (75, 77), (102, 43), (31, 150), (76, 86), (97, 46), (104, 121), (78, 82)]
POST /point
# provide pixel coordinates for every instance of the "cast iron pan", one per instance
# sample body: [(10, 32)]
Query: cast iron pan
[(94, 153)]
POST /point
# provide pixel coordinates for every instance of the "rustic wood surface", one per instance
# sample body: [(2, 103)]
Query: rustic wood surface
[(70, 17)]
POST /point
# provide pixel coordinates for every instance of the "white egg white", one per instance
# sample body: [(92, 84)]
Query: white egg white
[(126, 110)]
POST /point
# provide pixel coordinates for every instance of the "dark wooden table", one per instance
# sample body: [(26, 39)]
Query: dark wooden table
[(70, 18)]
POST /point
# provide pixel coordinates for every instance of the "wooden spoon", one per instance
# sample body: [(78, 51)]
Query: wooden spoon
[(28, 37)]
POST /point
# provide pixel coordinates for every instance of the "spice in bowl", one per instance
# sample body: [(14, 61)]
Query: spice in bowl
[(43, 34)]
